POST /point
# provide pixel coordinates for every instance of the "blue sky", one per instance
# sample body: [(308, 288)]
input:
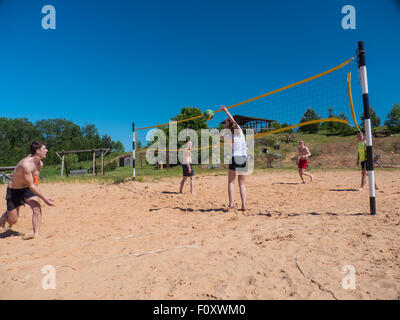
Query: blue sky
[(109, 63)]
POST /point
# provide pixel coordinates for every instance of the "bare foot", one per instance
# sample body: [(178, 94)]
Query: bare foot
[(243, 209), (311, 178), (376, 187), (29, 237), (304, 181)]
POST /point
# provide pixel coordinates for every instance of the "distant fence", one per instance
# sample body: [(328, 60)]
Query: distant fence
[(78, 172), (4, 176), (6, 168)]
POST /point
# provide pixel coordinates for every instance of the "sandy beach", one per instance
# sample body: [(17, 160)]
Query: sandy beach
[(143, 240)]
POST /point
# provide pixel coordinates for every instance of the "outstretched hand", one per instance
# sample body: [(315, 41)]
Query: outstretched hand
[(49, 202), (223, 108)]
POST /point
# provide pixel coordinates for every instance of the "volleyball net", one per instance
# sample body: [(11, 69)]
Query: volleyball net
[(321, 103)]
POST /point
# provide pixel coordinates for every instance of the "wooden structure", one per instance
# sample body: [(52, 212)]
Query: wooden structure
[(61, 155), (125, 160), (5, 176), (257, 124), (81, 172), (273, 159), (382, 133), (6, 168)]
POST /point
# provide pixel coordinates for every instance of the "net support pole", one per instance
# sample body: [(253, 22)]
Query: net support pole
[(102, 162), (362, 69), (62, 164), (94, 162), (133, 151)]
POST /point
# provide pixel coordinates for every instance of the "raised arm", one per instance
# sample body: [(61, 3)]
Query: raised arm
[(224, 109)]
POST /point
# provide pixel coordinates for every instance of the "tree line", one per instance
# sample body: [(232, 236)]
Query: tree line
[(58, 134), (392, 122)]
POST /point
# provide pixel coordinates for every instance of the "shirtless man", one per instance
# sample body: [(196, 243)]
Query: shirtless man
[(302, 161), (23, 188), (187, 168)]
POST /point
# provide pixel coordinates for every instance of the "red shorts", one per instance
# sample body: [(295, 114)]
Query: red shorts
[(303, 163)]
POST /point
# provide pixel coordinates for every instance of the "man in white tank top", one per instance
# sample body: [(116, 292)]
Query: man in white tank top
[(239, 165)]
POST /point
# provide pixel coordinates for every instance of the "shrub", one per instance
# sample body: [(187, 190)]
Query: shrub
[(110, 166)]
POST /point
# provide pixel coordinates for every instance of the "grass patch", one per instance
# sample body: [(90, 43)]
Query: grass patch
[(118, 180)]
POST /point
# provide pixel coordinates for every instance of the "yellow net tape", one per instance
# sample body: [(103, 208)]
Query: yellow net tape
[(351, 100), (263, 95)]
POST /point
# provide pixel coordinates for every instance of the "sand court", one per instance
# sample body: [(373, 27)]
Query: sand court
[(145, 241)]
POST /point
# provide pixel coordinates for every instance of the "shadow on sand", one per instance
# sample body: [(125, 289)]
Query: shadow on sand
[(290, 183), (10, 233), (202, 210), (191, 210), (343, 189)]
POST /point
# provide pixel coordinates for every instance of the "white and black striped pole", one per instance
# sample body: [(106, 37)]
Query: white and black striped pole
[(362, 69), (133, 151)]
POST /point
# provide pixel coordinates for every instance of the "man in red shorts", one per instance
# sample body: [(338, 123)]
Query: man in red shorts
[(302, 161)]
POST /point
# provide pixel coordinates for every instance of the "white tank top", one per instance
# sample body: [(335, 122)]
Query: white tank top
[(239, 144)]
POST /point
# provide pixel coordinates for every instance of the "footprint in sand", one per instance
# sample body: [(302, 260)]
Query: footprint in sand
[(29, 237)]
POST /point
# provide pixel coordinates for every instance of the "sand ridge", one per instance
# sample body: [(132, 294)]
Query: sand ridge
[(146, 241)]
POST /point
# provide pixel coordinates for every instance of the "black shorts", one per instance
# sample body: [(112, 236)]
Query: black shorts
[(186, 171), (16, 197), (239, 164), (364, 165)]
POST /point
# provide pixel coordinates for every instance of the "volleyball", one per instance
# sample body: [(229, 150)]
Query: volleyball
[(208, 114)]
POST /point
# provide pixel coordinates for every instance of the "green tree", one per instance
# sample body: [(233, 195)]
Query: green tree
[(106, 142), (92, 137), (118, 146), (310, 115), (393, 118), (342, 128), (15, 137), (60, 134), (195, 124), (275, 125), (375, 120), (329, 127)]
